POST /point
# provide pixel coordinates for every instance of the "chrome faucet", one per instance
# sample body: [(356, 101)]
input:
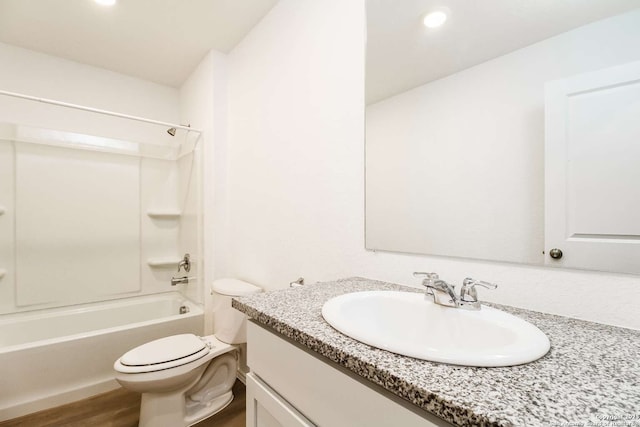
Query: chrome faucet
[(444, 293), (186, 264)]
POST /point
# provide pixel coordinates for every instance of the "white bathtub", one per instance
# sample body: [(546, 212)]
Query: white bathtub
[(55, 356)]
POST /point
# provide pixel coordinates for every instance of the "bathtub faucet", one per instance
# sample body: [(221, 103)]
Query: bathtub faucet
[(180, 280)]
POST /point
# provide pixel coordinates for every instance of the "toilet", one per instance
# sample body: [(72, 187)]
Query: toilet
[(186, 378)]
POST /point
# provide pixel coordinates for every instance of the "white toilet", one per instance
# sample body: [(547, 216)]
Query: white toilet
[(185, 378)]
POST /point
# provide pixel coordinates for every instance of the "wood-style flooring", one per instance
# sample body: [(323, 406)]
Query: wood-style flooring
[(120, 408)]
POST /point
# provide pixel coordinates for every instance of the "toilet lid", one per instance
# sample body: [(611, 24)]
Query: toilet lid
[(175, 350)]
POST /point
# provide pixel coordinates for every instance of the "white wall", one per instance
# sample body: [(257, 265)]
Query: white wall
[(296, 174), (456, 166), (46, 76), (295, 144)]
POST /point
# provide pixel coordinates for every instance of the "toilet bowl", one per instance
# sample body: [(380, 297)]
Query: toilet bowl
[(185, 378)]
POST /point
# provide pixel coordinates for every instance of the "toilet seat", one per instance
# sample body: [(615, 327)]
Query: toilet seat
[(164, 353)]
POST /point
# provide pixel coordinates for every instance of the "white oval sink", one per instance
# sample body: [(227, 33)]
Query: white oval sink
[(407, 323)]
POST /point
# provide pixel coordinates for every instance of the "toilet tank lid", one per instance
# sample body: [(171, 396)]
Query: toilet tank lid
[(234, 287)]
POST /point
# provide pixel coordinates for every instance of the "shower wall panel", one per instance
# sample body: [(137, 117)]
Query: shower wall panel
[(77, 224), (158, 235), (7, 276)]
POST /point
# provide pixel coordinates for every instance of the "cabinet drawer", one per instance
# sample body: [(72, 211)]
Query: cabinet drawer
[(323, 392)]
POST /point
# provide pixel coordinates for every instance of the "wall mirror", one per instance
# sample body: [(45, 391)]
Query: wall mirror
[(455, 126)]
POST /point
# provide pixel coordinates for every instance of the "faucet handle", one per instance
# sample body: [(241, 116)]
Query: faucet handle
[(185, 262), (429, 279), (474, 282), (468, 293), (427, 276)]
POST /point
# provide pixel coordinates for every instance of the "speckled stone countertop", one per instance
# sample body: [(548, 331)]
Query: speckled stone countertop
[(590, 377)]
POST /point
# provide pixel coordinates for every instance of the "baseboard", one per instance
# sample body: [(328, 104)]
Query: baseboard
[(242, 377), (58, 399)]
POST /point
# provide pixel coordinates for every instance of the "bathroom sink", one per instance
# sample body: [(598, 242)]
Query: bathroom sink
[(411, 324)]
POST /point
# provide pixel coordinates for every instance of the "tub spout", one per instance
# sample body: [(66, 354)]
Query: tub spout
[(180, 280)]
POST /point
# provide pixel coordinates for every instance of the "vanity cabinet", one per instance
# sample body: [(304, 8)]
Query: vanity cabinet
[(291, 386)]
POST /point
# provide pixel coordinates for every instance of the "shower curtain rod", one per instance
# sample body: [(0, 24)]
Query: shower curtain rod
[(96, 110)]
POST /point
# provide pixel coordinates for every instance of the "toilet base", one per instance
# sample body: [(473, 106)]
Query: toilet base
[(201, 411), (162, 410)]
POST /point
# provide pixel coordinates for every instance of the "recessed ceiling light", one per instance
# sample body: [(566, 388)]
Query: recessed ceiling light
[(435, 19), (106, 2)]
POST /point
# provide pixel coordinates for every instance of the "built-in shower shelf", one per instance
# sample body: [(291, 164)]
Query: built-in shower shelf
[(163, 262), (163, 214), (2, 273)]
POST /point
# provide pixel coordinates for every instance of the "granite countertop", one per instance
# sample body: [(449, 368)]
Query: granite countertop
[(590, 377)]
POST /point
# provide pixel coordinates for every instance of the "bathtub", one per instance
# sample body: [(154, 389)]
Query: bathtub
[(55, 356)]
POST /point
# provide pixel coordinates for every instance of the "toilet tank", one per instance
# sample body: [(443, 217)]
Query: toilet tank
[(230, 325)]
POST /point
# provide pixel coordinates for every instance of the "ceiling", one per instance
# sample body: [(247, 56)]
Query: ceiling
[(157, 40), (403, 54), (164, 40)]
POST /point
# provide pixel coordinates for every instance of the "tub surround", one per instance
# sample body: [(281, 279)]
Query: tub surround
[(591, 373)]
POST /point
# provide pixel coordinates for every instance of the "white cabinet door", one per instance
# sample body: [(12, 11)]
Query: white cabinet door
[(265, 408), (592, 176)]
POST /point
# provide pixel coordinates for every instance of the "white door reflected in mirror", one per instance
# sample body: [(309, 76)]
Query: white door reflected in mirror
[(592, 161)]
